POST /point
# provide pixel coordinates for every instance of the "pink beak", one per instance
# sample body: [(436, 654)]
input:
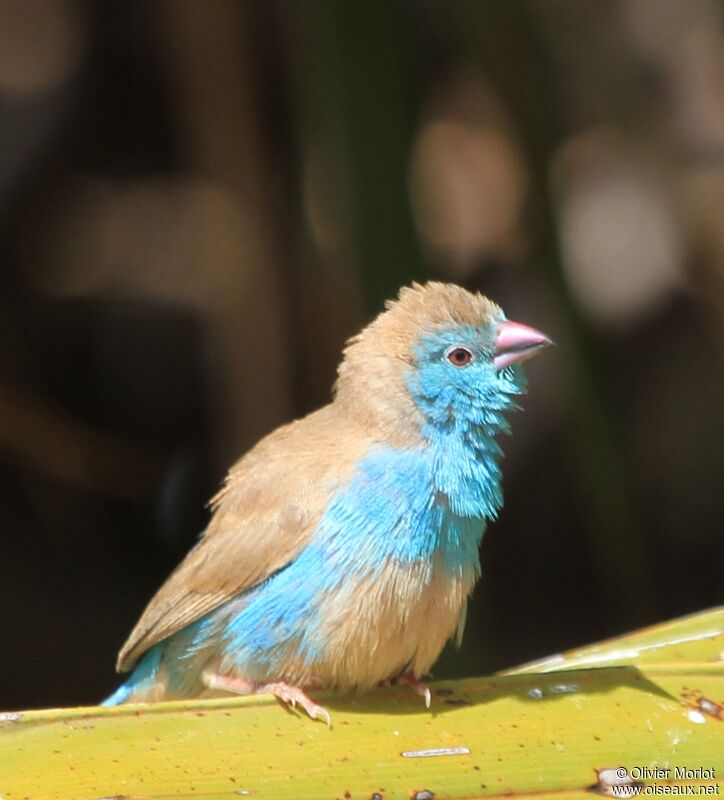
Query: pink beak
[(517, 342)]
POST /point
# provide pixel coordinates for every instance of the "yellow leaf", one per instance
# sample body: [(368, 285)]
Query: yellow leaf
[(544, 733)]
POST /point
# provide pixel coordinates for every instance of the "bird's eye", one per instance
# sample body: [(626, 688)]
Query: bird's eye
[(459, 356)]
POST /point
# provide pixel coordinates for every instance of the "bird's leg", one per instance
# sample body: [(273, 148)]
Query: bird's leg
[(291, 695), (212, 680), (417, 685)]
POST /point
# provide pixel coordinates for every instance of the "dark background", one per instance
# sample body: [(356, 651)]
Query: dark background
[(199, 202)]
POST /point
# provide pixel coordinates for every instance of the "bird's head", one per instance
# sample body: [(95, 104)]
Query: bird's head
[(439, 357)]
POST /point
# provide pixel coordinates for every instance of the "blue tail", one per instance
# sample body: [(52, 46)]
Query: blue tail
[(141, 680)]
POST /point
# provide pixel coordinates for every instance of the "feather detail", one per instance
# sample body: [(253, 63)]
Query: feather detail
[(343, 547), (265, 515)]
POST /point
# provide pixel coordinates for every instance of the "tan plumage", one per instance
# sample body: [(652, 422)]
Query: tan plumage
[(275, 495), (265, 514), (344, 546)]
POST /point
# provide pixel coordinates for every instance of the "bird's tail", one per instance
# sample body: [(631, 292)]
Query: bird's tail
[(143, 685)]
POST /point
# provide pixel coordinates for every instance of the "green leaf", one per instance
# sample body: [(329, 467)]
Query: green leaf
[(698, 638), (535, 732)]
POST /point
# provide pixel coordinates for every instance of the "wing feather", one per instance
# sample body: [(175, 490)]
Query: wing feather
[(272, 501)]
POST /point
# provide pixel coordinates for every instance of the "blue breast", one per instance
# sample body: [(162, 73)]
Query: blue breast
[(405, 505)]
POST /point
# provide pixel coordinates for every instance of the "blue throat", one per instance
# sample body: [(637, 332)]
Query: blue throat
[(462, 421)]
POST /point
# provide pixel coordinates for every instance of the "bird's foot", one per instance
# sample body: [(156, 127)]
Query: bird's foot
[(291, 695), (417, 685)]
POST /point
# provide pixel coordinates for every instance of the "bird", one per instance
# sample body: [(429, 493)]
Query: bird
[(342, 548)]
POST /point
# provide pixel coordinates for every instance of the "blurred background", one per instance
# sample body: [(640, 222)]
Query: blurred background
[(199, 203)]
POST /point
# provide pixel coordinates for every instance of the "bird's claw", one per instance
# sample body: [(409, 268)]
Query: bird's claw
[(321, 713), (417, 686), (291, 695)]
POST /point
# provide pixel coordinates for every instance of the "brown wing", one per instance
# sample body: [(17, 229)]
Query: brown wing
[(264, 516)]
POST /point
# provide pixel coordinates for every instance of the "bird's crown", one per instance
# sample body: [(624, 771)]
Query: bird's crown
[(420, 309)]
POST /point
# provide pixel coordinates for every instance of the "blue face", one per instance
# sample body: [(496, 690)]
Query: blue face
[(455, 383)]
